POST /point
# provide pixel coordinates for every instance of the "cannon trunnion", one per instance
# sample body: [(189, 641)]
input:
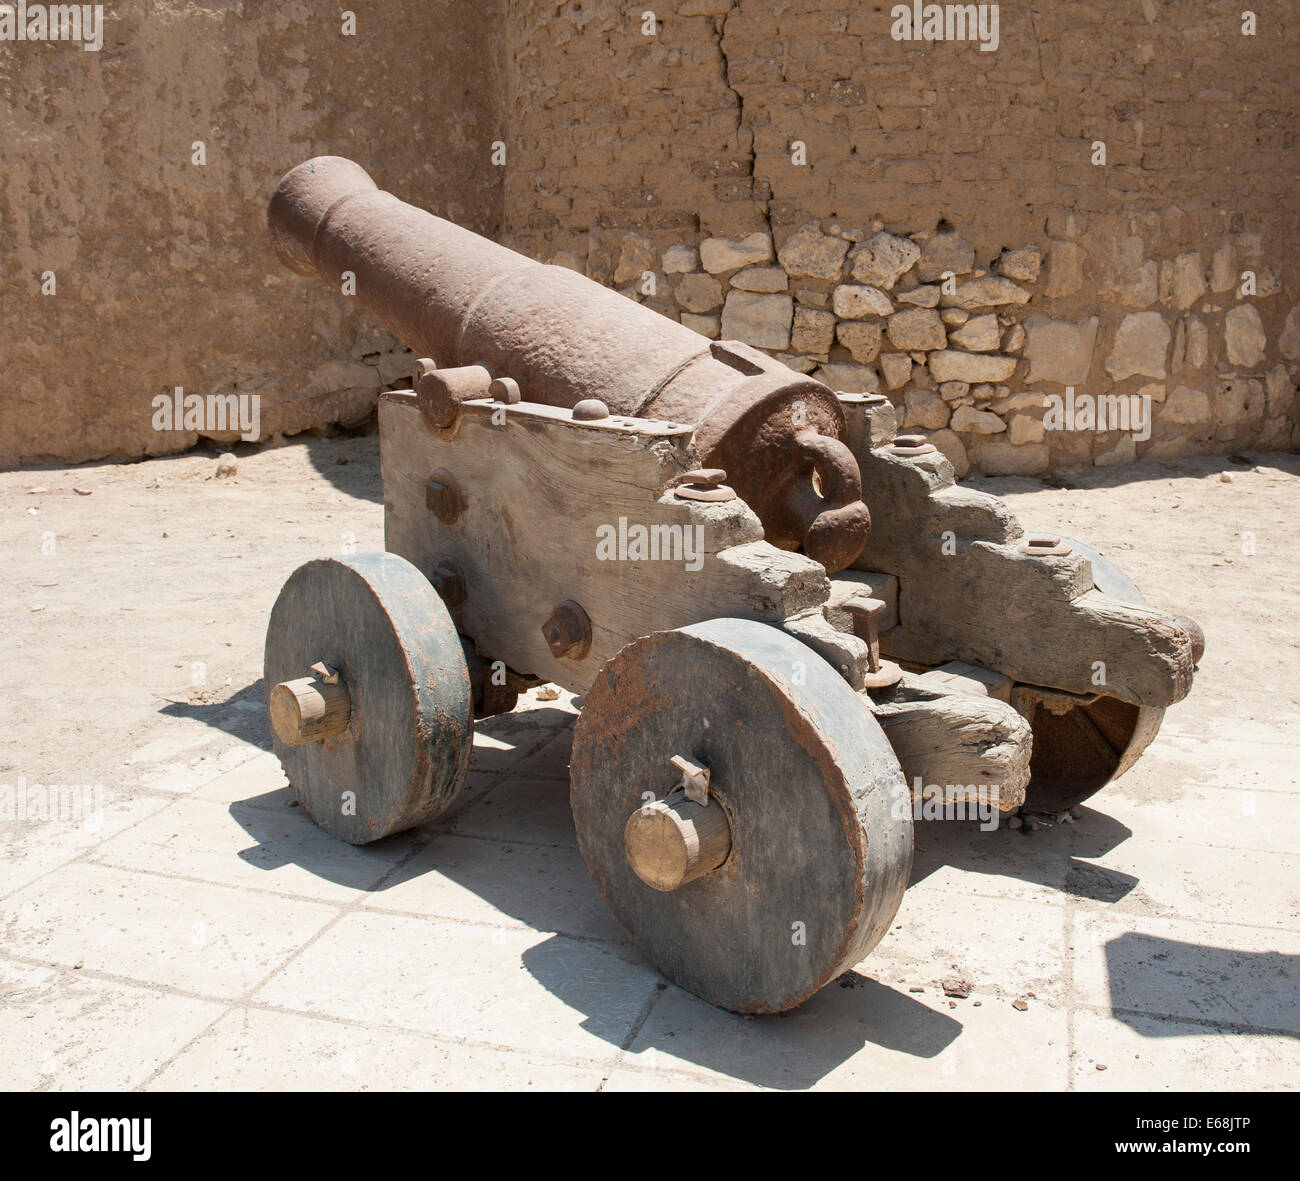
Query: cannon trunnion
[(578, 490)]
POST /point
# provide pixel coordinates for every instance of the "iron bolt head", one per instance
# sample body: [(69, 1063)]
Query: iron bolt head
[(449, 582), (442, 497), (568, 631)]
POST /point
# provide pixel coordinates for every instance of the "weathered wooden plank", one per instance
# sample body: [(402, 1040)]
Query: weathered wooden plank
[(957, 676), (987, 605), (554, 510), (967, 591), (961, 742)]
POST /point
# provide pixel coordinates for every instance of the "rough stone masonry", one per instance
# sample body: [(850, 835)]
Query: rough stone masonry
[(1099, 213), (1100, 207)]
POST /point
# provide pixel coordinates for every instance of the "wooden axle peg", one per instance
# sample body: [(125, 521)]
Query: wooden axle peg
[(674, 841), (310, 708)]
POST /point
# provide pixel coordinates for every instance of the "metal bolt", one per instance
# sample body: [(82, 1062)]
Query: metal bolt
[(505, 389), (705, 484), (568, 631), (442, 497), (449, 582), (865, 613), (590, 410)]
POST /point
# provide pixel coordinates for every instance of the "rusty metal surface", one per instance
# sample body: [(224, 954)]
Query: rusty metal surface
[(568, 631), (465, 301)]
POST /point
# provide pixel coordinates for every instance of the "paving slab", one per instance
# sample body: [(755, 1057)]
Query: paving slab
[(1222, 974), (542, 887), (277, 849), (496, 984), (63, 1029), (196, 937), (858, 1034), (1145, 1053), (263, 1050), (35, 847)]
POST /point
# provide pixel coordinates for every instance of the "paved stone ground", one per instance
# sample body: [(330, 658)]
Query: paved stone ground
[(197, 931)]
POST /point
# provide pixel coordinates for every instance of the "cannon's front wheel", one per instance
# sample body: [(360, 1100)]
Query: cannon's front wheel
[(793, 869), (368, 695)]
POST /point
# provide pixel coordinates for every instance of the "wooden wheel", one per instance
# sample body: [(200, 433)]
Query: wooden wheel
[(1078, 749), (792, 871), (368, 695)]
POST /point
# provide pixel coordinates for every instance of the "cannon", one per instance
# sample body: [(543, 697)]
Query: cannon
[(788, 628)]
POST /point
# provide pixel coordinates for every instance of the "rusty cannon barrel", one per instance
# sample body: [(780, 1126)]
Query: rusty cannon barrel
[(480, 309)]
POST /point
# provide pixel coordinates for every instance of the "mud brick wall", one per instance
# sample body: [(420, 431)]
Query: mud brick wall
[(667, 165), (163, 274), (673, 152)]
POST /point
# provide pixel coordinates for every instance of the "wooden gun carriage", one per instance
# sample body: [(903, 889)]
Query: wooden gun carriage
[(786, 622)]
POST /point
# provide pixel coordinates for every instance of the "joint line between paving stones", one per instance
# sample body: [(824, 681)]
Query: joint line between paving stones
[(634, 1029), (1237, 1027), (246, 997), (85, 856), (1068, 912), (73, 974)]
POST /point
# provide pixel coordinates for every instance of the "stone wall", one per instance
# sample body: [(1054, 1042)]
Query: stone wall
[(928, 218), (163, 275), (785, 172)]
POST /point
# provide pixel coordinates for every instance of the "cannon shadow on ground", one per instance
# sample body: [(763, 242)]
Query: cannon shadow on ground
[(784, 1051), (547, 888), (359, 477), (508, 841), (1157, 983)]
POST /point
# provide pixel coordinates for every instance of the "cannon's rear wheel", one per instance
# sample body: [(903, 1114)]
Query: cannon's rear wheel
[(377, 738), (1079, 749), (793, 870)]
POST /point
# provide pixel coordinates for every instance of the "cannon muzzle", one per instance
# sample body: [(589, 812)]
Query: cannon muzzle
[(463, 300)]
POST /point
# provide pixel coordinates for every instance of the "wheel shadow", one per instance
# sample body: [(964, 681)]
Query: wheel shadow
[(793, 1050), (508, 842), (242, 715), (507, 847)]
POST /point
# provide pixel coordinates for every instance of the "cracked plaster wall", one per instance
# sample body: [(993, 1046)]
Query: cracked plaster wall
[(632, 152)]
